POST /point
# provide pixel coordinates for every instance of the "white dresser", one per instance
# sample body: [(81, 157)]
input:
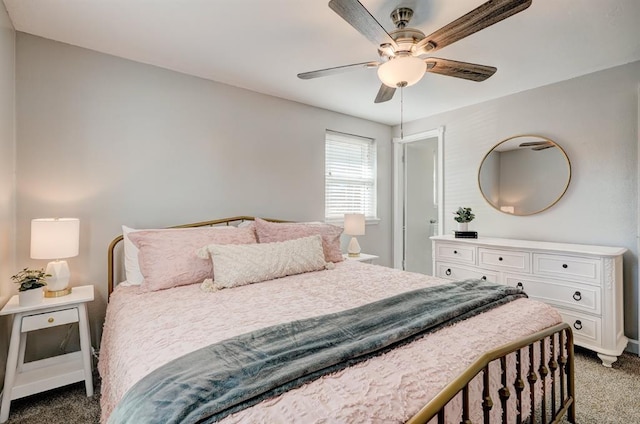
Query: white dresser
[(583, 282)]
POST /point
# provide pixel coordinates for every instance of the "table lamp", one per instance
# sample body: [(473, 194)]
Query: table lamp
[(354, 226), (55, 238)]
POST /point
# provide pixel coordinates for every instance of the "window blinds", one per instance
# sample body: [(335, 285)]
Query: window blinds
[(350, 176)]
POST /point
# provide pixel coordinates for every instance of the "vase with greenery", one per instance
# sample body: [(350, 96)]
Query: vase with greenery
[(31, 283), (463, 216)]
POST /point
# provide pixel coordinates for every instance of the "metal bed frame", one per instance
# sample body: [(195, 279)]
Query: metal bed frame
[(556, 374)]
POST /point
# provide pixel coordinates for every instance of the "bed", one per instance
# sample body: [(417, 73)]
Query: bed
[(511, 363)]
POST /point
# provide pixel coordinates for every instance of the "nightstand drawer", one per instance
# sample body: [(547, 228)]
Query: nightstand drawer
[(455, 252), (51, 319)]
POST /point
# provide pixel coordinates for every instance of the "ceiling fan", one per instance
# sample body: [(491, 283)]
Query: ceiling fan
[(404, 52)]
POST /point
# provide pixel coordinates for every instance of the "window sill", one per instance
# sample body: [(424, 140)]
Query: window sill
[(340, 222)]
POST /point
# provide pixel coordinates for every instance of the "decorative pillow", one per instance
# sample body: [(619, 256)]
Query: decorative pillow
[(269, 232), (168, 258), (251, 263)]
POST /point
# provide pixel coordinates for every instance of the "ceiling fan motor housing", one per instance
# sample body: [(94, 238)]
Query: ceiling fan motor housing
[(405, 37), (401, 17)]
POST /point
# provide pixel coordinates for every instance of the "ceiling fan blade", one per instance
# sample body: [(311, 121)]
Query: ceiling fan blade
[(534, 143), (465, 70), (359, 17), (543, 147), (337, 70), (384, 94), (481, 17)]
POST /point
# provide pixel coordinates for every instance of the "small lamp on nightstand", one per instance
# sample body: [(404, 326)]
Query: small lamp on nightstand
[(354, 224), (55, 238)]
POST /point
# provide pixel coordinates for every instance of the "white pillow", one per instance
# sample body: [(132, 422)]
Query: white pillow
[(131, 267), (237, 265)]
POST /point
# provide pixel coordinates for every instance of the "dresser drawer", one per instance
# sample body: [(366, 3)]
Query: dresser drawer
[(586, 329), (456, 252), (457, 273), (567, 267), (52, 319), (559, 293), (504, 260)]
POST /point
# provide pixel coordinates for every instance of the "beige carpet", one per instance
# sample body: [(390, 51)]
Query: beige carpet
[(603, 396), (607, 395)]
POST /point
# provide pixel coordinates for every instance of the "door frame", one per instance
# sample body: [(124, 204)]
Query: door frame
[(399, 188)]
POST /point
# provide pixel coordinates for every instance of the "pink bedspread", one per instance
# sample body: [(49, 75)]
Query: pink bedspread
[(143, 331)]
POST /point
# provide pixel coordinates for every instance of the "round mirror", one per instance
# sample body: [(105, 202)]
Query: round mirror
[(524, 175)]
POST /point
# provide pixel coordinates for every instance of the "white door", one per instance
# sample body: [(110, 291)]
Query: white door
[(420, 203), (418, 199)]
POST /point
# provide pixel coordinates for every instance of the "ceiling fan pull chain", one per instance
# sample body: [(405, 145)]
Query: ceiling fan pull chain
[(401, 113)]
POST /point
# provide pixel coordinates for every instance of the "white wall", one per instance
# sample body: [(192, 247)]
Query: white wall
[(117, 142), (594, 118), (7, 149), (7, 169)]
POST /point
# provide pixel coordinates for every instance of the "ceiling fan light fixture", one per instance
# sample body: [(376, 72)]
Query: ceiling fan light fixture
[(402, 71)]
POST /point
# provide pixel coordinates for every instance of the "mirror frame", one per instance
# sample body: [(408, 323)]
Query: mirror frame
[(566, 157)]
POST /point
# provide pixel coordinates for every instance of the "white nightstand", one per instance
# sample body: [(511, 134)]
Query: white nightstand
[(362, 258), (24, 379)]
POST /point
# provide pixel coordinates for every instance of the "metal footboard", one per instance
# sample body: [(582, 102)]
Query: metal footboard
[(550, 366)]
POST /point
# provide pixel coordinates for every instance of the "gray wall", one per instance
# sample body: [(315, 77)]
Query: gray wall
[(117, 142), (7, 168), (594, 118)]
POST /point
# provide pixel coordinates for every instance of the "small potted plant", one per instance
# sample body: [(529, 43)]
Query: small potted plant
[(463, 216), (31, 283)]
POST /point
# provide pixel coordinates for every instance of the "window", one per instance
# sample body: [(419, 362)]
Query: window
[(350, 176)]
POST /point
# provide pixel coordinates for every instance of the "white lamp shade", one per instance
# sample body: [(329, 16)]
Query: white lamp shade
[(55, 238), (402, 69), (354, 224)]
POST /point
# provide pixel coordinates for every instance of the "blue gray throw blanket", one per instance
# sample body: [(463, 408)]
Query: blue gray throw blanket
[(215, 381)]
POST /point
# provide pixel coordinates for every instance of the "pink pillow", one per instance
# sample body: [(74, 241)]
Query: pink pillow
[(269, 232), (168, 258)]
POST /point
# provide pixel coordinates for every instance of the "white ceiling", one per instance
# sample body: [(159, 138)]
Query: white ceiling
[(261, 45)]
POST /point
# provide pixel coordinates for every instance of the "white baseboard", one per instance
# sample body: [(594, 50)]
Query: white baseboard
[(633, 347)]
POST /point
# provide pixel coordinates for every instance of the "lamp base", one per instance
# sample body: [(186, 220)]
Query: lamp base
[(354, 248), (58, 282), (57, 293)]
